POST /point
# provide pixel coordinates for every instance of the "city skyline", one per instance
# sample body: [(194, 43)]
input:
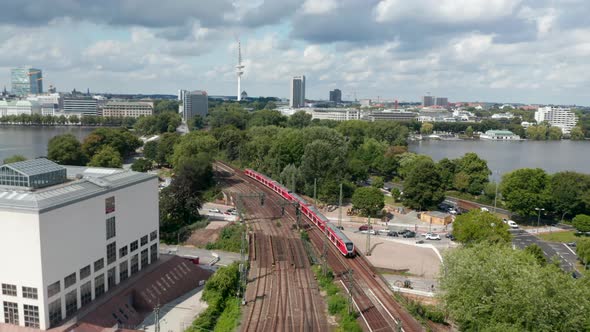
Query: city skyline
[(511, 50)]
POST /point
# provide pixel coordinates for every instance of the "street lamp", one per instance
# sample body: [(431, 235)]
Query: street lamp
[(538, 217)]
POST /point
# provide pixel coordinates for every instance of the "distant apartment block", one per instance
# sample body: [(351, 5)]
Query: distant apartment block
[(336, 114), (428, 101), (193, 103), (557, 117), (131, 109), (390, 116), (297, 92), (69, 235), (336, 96), (80, 105), (25, 81), (441, 101)]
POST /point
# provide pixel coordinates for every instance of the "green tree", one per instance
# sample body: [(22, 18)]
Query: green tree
[(577, 134), (267, 118), (426, 128), (196, 122), (446, 168), (107, 156), (165, 151), (475, 172), (65, 150), (166, 105), (141, 165), (478, 226), (14, 159), (570, 192), (582, 223), (583, 251), (536, 251), (193, 144), (469, 131), (537, 133), (377, 182), (369, 200), (123, 141), (180, 202), (423, 188), (408, 161), (554, 133), (495, 288), (150, 150), (299, 119), (525, 189)]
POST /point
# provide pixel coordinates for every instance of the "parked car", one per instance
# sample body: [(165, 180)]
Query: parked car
[(571, 244), (383, 231), (365, 227), (215, 210), (432, 237), (393, 233), (485, 209), (452, 211), (425, 234), (370, 231), (409, 234), (512, 224)]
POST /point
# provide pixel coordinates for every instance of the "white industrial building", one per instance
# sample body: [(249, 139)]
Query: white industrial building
[(133, 109), (70, 234), (336, 114), (557, 117), (19, 107)]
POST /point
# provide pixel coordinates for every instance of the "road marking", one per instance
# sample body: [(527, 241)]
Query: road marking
[(570, 249)]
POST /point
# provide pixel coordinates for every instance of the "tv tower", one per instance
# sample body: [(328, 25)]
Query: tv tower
[(239, 71)]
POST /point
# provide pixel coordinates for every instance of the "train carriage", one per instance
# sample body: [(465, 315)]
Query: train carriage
[(335, 235)]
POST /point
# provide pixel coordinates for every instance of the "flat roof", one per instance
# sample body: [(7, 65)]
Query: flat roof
[(437, 214), (84, 183)]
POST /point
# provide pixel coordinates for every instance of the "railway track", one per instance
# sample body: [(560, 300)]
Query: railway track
[(281, 294), (379, 310)]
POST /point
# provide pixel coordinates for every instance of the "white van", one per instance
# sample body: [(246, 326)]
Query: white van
[(512, 224)]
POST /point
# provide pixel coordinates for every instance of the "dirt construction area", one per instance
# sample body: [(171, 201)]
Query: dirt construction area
[(390, 255), (200, 237)]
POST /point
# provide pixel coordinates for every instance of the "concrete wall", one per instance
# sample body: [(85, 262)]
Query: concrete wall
[(20, 260)]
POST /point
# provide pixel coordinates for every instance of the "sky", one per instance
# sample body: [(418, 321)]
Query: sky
[(528, 51)]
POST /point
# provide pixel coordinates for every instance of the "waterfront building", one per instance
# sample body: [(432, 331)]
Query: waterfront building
[(25, 81), (428, 101), (193, 103), (336, 96), (297, 92), (557, 117), (131, 109), (18, 107), (80, 105), (506, 116), (69, 235), (389, 115), (499, 135), (336, 114)]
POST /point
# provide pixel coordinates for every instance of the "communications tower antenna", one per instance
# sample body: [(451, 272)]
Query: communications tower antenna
[(239, 70)]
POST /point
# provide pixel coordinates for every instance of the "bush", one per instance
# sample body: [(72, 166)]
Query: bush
[(230, 239), (336, 304), (582, 223)]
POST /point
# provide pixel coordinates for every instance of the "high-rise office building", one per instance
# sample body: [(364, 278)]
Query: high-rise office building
[(336, 96), (80, 105), (297, 92), (441, 101), (428, 101), (193, 103), (26, 81)]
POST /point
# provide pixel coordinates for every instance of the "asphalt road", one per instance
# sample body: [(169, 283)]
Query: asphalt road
[(566, 255)]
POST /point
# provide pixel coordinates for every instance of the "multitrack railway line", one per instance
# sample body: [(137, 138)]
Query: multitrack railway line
[(281, 294), (373, 297)]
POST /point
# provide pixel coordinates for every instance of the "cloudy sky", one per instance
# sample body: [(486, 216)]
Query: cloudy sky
[(530, 51)]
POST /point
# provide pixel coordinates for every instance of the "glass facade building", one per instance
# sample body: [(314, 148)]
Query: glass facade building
[(35, 173), (26, 81)]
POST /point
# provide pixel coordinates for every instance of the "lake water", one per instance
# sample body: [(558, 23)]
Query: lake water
[(503, 157), (31, 142)]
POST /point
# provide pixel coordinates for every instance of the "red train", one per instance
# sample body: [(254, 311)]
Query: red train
[(333, 233)]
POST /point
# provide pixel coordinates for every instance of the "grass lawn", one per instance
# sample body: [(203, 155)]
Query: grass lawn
[(559, 236), (390, 201)]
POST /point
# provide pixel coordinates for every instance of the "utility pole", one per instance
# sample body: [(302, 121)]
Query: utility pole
[(496, 195), (157, 317), (243, 273), (315, 190), (325, 254), (350, 308), (340, 208), (368, 253)]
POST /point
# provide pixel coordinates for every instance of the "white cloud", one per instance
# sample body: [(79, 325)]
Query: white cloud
[(544, 18), (318, 7), (447, 11)]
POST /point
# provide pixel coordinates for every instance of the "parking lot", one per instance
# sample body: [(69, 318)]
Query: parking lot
[(566, 255)]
